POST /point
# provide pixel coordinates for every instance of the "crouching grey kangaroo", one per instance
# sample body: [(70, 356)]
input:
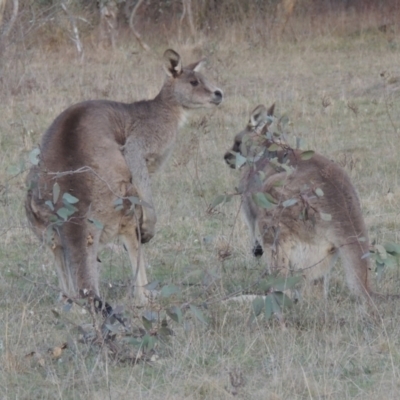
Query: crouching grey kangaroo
[(302, 212), (102, 153)]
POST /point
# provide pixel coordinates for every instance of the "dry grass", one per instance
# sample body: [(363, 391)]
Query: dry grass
[(331, 88)]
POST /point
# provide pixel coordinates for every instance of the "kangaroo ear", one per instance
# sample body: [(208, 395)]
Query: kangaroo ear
[(197, 66), (271, 110), (172, 63), (259, 116)]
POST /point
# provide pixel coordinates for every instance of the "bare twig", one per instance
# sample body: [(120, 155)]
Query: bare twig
[(187, 10), (139, 253), (132, 26), (390, 115), (12, 20), (76, 39), (108, 23), (96, 326), (2, 8), (83, 170), (285, 10)]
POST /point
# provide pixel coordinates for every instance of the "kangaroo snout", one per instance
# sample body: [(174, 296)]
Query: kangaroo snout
[(230, 159), (230, 155), (218, 97)]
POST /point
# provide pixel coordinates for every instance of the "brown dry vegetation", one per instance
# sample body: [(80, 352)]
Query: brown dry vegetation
[(325, 73)]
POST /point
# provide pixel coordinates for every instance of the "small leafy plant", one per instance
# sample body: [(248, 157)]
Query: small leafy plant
[(275, 300)]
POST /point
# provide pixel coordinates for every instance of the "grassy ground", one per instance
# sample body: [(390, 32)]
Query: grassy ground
[(332, 89)]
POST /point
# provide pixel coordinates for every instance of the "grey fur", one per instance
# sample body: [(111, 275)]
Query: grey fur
[(311, 244), (110, 150)]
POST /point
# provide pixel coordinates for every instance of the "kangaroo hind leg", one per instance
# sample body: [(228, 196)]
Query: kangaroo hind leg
[(135, 250), (80, 245)]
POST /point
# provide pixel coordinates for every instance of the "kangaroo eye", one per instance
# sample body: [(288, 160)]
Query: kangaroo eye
[(194, 83)]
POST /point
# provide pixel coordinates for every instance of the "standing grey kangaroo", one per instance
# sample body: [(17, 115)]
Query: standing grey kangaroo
[(102, 153), (316, 217)]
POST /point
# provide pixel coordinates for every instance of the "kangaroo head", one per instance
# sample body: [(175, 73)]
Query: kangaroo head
[(256, 127), (186, 85)]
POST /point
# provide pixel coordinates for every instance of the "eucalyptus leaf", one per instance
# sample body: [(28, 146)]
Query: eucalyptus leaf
[(49, 234), (175, 313), (49, 204), (379, 270), (118, 202), (148, 324), (299, 143), (381, 251), (283, 121), (56, 192), (325, 217), (270, 198), (67, 306), (70, 207), (257, 306), (390, 261), (68, 198), (307, 155), (169, 290), (268, 307), (148, 342), (283, 283), (217, 201), (243, 147), (164, 332), (34, 156), (265, 285), (279, 183), (133, 341), (366, 255), (53, 218), (261, 200), (276, 309), (140, 202), (152, 285), (392, 248), (283, 300), (96, 223), (198, 314), (288, 169), (135, 200), (262, 175), (289, 203), (13, 170), (273, 147), (64, 213), (239, 160), (113, 328)]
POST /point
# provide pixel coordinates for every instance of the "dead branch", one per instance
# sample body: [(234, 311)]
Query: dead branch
[(83, 170), (187, 10), (76, 39), (132, 26), (108, 23), (285, 10), (12, 20), (2, 8)]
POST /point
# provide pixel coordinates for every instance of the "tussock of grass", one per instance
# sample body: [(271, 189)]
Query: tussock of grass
[(331, 88)]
